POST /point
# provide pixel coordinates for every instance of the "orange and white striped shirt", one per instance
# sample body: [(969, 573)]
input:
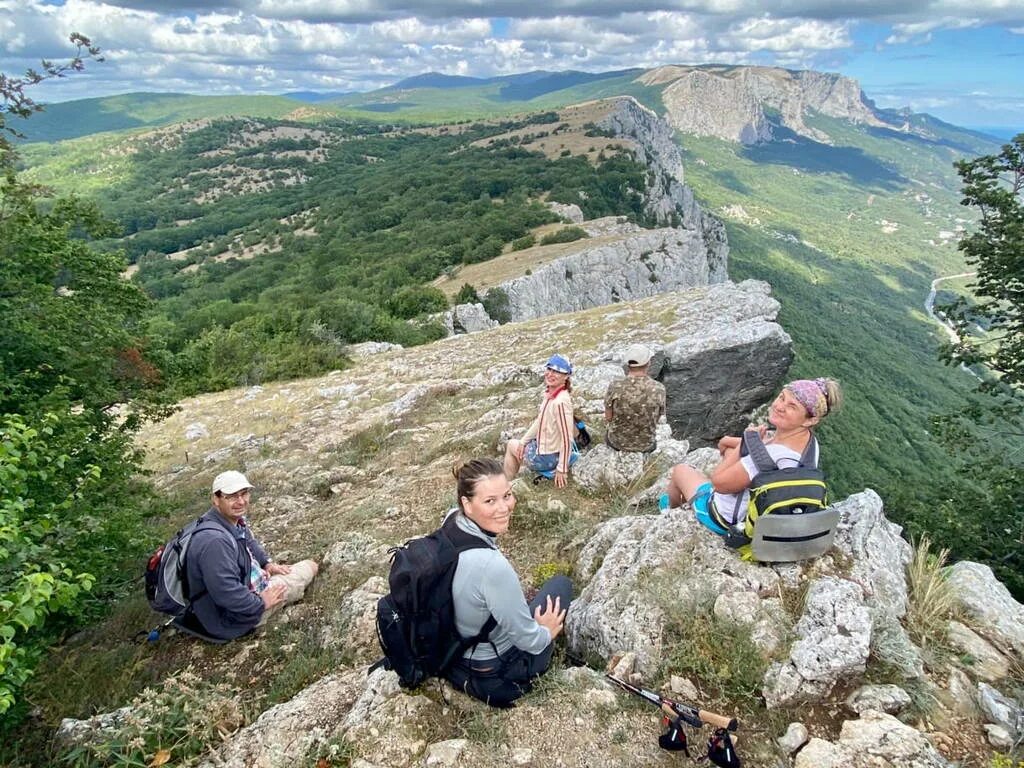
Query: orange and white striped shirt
[(553, 428)]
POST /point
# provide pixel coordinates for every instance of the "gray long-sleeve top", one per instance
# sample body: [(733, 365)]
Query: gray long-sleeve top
[(485, 584), (218, 561)]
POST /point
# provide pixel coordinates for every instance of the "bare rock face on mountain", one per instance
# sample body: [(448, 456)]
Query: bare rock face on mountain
[(690, 250), (646, 263), (667, 199), (734, 103)]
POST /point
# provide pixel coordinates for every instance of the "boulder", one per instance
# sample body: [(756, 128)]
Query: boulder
[(604, 468), (445, 754), (834, 636), (568, 211), (881, 698), (466, 318), (991, 610), (878, 557), (354, 625), (632, 565), (796, 736), (286, 733), (983, 661), (1000, 709), (876, 740)]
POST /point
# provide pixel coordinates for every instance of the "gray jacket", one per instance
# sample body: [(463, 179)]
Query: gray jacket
[(485, 583), (218, 564)]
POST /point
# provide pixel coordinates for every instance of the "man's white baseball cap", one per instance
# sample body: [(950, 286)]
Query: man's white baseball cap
[(230, 482)]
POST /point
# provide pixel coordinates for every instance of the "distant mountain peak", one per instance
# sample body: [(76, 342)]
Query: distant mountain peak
[(743, 103)]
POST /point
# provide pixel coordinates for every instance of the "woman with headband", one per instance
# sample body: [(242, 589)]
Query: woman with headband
[(793, 415)]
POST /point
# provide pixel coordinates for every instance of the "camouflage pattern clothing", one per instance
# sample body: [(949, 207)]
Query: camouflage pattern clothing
[(636, 403)]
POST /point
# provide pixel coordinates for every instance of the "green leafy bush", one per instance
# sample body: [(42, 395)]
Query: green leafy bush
[(467, 295), (524, 242), (174, 724), (564, 235)]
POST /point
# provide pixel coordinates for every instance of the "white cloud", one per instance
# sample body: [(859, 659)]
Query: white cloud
[(220, 46)]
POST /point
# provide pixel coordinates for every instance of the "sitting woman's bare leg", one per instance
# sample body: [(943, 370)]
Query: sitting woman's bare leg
[(684, 484), (512, 460)]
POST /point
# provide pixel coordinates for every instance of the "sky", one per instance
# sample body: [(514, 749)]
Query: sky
[(959, 60)]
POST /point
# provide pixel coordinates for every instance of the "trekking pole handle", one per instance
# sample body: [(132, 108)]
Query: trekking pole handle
[(701, 715)]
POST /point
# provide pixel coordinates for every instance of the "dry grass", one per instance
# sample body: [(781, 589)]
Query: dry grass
[(932, 602)]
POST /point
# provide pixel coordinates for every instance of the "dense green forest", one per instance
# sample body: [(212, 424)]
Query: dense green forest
[(343, 254)]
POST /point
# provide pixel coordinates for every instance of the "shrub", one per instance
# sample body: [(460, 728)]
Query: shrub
[(564, 235), (417, 300), (524, 242), (467, 295), (174, 725), (718, 653), (496, 303)]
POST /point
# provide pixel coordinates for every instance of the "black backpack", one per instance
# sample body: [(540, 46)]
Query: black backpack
[(416, 621)]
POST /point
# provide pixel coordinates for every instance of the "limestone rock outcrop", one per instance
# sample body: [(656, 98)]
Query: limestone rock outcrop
[(647, 263), (734, 103)]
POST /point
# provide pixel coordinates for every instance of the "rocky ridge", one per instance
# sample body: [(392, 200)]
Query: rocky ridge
[(358, 460), (736, 103), (690, 250)]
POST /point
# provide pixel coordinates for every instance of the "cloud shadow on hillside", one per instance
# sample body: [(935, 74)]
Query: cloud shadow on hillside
[(795, 151)]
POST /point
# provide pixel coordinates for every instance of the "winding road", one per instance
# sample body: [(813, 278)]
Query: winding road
[(929, 307)]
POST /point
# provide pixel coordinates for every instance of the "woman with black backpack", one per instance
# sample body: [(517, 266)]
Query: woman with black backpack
[(486, 592), (720, 501)]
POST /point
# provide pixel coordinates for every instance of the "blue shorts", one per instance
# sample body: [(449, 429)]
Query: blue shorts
[(545, 462), (702, 503)]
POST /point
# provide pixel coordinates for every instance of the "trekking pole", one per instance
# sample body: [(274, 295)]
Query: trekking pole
[(675, 709), (721, 750)]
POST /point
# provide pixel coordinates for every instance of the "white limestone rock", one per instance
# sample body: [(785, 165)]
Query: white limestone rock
[(568, 211), (445, 754), (1000, 709), (289, 731), (620, 608), (881, 698), (834, 636), (878, 560), (985, 662), (992, 611), (796, 736), (466, 318), (196, 431), (998, 737), (602, 467)]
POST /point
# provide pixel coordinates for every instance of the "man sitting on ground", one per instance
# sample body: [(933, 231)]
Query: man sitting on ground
[(633, 405), (233, 585)]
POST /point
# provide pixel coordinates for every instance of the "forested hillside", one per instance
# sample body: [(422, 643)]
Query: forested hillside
[(267, 245)]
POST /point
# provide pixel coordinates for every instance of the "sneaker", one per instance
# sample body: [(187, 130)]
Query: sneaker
[(663, 503)]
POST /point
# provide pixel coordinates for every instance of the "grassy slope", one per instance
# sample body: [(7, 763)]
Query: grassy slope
[(852, 293), (71, 119)]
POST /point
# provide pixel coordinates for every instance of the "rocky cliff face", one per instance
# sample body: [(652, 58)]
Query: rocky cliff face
[(737, 103), (692, 251), (632, 266)]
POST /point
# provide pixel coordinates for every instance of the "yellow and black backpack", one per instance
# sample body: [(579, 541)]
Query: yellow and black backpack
[(787, 516)]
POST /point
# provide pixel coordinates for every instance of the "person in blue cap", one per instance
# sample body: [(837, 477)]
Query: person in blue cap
[(548, 443)]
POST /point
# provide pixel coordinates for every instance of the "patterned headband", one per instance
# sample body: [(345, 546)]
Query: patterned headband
[(812, 394)]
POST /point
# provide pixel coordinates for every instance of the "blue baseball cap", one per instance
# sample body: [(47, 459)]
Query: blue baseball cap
[(559, 364)]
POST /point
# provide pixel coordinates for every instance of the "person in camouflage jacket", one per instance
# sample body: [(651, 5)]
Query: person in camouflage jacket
[(633, 405)]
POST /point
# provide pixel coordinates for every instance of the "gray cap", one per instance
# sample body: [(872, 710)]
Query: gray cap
[(637, 355)]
